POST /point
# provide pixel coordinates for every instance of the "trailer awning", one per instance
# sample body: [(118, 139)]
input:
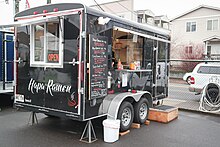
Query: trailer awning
[(141, 34), (29, 21)]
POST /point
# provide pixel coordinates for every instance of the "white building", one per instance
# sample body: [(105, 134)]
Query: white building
[(196, 30), (125, 9), (122, 8)]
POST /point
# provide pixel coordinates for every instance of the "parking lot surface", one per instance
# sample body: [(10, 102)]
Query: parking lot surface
[(189, 130)]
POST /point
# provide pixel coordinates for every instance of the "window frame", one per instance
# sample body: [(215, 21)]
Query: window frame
[(189, 49), (191, 24), (212, 25), (44, 63)]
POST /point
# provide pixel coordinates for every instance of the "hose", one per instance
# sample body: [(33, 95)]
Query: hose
[(210, 100)]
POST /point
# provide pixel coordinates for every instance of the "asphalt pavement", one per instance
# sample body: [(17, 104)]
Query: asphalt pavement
[(189, 130)]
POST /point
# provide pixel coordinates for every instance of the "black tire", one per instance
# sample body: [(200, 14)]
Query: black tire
[(125, 115), (212, 95), (141, 111), (188, 80)]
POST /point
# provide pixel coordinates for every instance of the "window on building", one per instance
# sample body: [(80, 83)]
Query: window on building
[(188, 49), (209, 51), (122, 16), (190, 26), (212, 24), (140, 18)]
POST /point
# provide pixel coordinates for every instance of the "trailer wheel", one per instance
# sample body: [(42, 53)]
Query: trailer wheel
[(126, 115), (141, 110)]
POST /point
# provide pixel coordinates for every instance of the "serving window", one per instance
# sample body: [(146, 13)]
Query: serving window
[(46, 45), (128, 48)]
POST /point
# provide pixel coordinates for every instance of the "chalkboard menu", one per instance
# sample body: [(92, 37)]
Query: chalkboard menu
[(98, 66)]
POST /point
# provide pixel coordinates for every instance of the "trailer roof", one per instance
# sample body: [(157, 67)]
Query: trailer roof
[(71, 6), (129, 22)]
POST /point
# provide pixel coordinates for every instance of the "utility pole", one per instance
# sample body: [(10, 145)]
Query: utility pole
[(15, 6)]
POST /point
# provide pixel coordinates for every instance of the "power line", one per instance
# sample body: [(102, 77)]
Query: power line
[(99, 5), (118, 2), (110, 10), (126, 8)]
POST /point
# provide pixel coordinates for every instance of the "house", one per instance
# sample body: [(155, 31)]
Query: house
[(196, 34), (147, 16), (125, 9), (122, 8)]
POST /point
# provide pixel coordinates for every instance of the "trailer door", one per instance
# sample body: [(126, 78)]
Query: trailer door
[(48, 64), (29, 80), (62, 83), (160, 69)]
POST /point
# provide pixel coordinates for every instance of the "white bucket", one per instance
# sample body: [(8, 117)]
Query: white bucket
[(111, 130)]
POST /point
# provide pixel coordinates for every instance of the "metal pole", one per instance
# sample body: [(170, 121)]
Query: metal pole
[(15, 6)]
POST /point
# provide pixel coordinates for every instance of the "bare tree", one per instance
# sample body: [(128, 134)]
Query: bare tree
[(191, 52)]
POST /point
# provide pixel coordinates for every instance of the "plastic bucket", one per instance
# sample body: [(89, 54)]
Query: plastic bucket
[(111, 130)]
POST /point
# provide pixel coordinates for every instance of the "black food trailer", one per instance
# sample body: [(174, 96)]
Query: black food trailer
[(80, 63)]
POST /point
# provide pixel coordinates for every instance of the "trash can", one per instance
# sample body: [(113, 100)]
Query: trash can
[(111, 130)]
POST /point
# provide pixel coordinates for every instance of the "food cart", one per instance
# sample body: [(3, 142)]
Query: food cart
[(80, 63)]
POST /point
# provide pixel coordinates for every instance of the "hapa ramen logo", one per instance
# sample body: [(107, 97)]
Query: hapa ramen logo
[(50, 87), (72, 101)]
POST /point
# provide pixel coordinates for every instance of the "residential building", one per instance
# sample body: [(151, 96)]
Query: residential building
[(196, 34), (122, 8), (125, 9), (147, 16)]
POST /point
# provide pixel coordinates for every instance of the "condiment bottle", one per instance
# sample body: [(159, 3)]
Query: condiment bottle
[(132, 66), (119, 66)]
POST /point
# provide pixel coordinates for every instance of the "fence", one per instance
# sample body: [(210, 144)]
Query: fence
[(179, 94)]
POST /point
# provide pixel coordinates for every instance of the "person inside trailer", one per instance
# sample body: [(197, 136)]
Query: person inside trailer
[(114, 60)]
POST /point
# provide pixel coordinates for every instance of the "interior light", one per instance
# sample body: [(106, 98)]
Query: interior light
[(45, 11), (55, 10), (35, 12)]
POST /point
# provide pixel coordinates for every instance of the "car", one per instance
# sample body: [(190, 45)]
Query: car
[(203, 74), (186, 77)]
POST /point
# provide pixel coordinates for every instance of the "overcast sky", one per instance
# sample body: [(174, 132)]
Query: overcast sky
[(171, 8)]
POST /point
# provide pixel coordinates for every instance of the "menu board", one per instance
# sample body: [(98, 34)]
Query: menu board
[(98, 66)]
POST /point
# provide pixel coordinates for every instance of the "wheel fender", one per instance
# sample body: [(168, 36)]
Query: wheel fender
[(115, 104)]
